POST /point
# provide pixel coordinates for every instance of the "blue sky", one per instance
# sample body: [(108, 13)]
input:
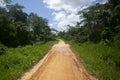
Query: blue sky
[(36, 6), (60, 13)]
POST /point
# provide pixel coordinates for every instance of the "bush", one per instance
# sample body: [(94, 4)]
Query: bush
[(100, 60), (2, 49), (17, 60)]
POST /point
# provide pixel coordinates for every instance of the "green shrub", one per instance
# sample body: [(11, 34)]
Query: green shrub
[(100, 60), (2, 49), (16, 61)]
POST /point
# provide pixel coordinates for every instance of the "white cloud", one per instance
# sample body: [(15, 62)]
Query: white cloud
[(67, 5), (59, 15), (65, 11), (50, 24), (2, 3), (63, 19)]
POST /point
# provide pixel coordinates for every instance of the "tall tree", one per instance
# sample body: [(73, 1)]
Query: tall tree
[(16, 13)]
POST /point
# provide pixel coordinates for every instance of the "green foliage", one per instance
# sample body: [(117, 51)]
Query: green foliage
[(40, 27), (16, 13), (100, 60), (2, 49), (16, 61), (100, 23), (19, 28), (6, 30), (23, 36)]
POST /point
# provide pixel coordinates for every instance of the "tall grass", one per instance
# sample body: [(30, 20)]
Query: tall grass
[(100, 60), (15, 61)]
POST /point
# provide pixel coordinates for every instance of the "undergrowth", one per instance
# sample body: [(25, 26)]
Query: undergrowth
[(15, 61), (100, 60)]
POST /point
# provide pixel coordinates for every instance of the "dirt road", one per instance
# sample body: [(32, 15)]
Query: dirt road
[(59, 64)]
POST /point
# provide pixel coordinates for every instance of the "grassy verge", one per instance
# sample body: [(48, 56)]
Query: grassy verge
[(15, 61), (100, 60)]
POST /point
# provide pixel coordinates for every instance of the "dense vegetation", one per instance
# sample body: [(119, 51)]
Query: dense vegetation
[(19, 28), (100, 60), (97, 39), (16, 61), (24, 40), (100, 22)]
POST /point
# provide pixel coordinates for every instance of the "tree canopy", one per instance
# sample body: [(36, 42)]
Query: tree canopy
[(19, 28), (101, 22)]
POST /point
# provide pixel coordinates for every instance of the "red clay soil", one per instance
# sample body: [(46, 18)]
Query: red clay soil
[(59, 64)]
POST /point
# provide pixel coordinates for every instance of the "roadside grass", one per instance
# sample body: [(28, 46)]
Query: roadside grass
[(15, 61), (100, 60)]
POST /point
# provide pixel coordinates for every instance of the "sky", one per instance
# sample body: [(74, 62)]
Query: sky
[(60, 13)]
